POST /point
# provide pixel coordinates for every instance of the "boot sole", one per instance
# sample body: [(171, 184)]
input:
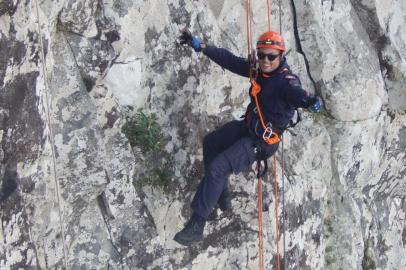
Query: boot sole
[(187, 242)]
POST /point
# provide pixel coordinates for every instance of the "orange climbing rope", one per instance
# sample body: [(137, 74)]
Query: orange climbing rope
[(268, 3), (248, 21), (259, 184), (259, 205), (275, 190), (269, 137)]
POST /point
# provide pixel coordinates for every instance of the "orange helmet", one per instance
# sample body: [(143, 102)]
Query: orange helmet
[(271, 40)]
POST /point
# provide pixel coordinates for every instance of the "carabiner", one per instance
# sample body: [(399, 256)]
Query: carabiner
[(268, 132), (269, 136)]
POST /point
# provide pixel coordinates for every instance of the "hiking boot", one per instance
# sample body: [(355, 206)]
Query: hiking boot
[(193, 231), (224, 202)]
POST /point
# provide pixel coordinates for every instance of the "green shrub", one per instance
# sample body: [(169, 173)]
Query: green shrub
[(143, 131)]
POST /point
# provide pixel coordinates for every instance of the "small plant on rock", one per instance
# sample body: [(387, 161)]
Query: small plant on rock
[(144, 132)]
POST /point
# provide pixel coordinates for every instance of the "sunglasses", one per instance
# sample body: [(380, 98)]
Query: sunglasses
[(270, 56)]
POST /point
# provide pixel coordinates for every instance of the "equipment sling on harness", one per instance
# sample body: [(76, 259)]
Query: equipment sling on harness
[(269, 136)]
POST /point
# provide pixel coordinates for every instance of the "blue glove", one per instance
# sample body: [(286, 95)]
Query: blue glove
[(316, 107), (196, 44), (187, 38)]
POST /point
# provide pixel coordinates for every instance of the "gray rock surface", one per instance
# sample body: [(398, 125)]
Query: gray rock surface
[(69, 193)]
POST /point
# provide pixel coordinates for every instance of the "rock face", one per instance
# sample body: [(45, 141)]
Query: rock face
[(69, 195)]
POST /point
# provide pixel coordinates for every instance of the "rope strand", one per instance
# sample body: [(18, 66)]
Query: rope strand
[(259, 204), (248, 8), (276, 214), (268, 3), (280, 17), (51, 139), (283, 205), (283, 165)]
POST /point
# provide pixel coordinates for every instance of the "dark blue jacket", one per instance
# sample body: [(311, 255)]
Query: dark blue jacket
[(281, 91)]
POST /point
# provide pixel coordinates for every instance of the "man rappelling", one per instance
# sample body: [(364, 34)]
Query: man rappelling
[(275, 94)]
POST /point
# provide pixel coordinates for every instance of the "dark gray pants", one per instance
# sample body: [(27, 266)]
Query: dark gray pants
[(229, 149)]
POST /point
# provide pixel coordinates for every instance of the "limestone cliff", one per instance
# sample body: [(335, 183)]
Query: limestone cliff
[(69, 192)]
